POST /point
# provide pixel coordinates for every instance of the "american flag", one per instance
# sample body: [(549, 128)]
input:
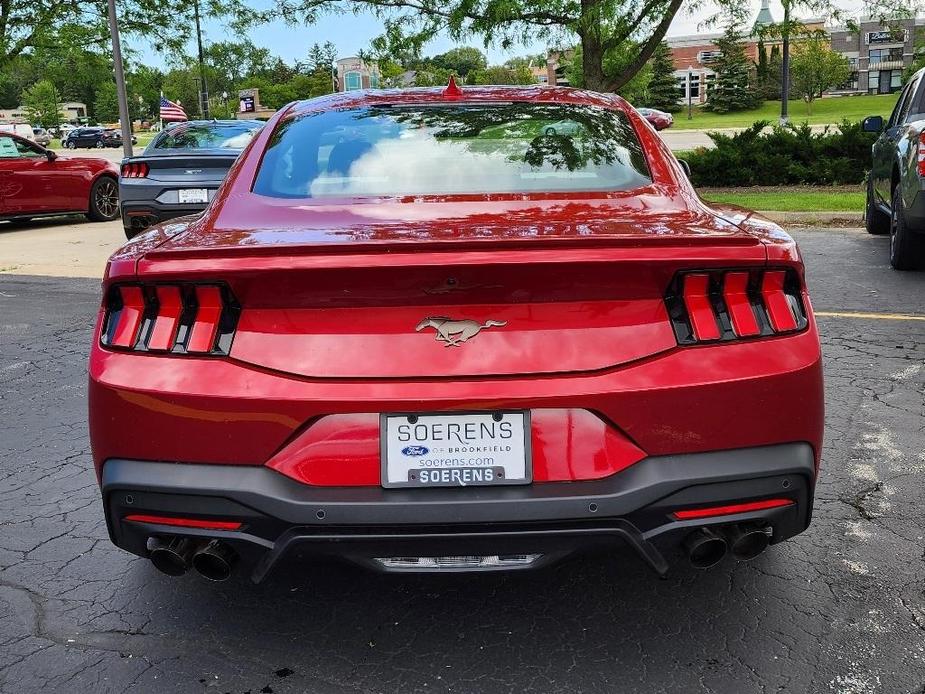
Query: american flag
[(171, 111)]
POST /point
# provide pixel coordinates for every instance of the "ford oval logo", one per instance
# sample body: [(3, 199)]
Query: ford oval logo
[(415, 450)]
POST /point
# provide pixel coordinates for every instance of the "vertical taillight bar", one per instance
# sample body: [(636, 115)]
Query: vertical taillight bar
[(129, 316), (205, 328), (170, 308), (739, 305), (697, 303), (775, 301)]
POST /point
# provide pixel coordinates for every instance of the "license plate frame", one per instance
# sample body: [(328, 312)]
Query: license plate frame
[(388, 483), (185, 196)]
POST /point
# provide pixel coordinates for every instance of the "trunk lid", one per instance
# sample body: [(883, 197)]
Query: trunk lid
[(576, 290), (187, 167)]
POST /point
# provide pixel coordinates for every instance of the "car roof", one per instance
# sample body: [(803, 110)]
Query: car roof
[(478, 94), (227, 121)]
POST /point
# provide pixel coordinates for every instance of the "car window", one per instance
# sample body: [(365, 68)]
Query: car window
[(452, 149), (207, 136), (900, 103), (907, 102), (27, 149), (8, 148)]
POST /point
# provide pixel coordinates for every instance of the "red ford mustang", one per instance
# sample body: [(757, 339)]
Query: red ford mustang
[(418, 331), (36, 182)]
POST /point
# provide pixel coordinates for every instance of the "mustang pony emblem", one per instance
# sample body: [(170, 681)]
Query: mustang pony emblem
[(455, 332)]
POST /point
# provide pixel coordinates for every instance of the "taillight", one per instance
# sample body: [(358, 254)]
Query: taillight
[(134, 170), (198, 319), (921, 153), (730, 509), (720, 305)]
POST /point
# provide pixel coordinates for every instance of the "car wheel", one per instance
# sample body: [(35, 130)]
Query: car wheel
[(104, 200), (550, 131), (71, 145), (876, 221), (907, 248), (99, 144)]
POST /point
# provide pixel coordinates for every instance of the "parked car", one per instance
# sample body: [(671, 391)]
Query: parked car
[(180, 170), (23, 130), (421, 349), (41, 136), (85, 137), (896, 184), (113, 138), (36, 182), (659, 119)]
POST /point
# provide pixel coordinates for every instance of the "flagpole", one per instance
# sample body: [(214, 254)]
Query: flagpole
[(160, 118), (124, 118)]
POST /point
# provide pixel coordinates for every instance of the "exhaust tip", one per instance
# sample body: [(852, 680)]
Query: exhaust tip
[(172, 557), (704, 548), (215, 561), (750, 541)]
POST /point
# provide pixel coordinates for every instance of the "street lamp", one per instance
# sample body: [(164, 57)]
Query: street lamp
[(690, 92)]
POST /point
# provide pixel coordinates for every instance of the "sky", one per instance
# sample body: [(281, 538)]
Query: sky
[(352, 33)]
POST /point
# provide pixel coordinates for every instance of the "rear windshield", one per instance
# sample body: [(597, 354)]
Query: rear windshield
[(452, 149), (206, 136)]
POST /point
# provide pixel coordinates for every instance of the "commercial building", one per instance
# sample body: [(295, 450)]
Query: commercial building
[(354, 73), (878, 54), (71, 111)]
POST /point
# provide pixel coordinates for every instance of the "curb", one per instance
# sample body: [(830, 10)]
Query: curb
[(821, 218)]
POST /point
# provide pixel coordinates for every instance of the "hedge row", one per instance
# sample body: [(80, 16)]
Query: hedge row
[(785, 155)]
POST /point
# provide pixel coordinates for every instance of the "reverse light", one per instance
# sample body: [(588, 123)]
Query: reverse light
[(135, 170), (723, 305), (198, 319), (730, 509), (199, 523)]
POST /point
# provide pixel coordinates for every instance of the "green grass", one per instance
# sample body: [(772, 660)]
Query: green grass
[(829, 110), (792, 200)]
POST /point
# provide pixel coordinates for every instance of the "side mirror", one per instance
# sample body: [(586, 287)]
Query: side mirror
[(686, 167), (50, 155), (872, 124)]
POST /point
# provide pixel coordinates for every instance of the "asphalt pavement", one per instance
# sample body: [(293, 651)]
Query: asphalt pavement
[(839, 608)]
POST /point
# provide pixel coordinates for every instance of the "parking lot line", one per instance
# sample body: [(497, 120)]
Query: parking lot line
[(868, 316)]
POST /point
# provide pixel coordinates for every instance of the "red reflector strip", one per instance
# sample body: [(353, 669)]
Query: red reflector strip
[(775, 301), (735, 293), (699, 310), (168, 318), (205, 327), (133, 310), (710, 511), (184, 522)]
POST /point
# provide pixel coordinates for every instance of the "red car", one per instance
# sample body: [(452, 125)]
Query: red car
[(36, 182), (659, 119), (416, 331)]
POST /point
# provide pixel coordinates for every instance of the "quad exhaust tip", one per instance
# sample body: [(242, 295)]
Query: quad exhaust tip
[(215, 561), (705, 548), (172, 556), (212, 559)]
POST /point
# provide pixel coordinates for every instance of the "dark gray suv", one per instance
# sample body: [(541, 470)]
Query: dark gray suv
[(180, 170), (896, 184)]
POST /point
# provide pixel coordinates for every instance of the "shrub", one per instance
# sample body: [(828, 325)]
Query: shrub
[(786, 155)]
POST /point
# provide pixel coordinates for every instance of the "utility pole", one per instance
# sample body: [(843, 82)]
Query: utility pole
[(203, 86), (124, 119), (785, 65)]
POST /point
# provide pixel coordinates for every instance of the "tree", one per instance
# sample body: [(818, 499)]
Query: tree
[(499, 74), (461, 61), (663, 90), (167, 24), (106, 104), (615, 62), (732, 89), (321, 58), (600, 26), (42, 104), (816, 67)]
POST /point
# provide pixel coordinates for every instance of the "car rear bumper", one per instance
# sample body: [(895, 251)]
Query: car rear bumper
[(552, 520)]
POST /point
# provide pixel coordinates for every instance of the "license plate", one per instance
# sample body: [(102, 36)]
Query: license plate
[(455, 450), (193, 195)]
